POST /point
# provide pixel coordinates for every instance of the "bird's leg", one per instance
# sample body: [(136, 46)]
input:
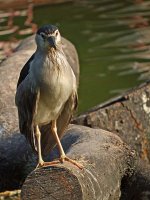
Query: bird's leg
[(38, 136), (63, 156), (61, 150), (41, 163)]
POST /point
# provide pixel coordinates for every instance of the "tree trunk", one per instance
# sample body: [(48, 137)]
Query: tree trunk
[(106, 160), (128, 116)]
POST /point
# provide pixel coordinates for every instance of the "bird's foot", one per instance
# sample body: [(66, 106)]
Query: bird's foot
[(65, 158), (46, 164), (61, 160)]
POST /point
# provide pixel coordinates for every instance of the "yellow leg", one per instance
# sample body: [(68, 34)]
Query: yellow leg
[(63, 156), (54, 131), (38, 136), (41, 163)]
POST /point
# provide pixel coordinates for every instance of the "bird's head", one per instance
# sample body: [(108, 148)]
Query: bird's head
[(48, 37)]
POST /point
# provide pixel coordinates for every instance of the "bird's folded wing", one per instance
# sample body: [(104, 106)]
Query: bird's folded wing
[(47, 139), (25, 70), (26, 101)]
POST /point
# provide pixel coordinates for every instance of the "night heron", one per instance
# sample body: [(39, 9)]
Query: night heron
[(46, 94)]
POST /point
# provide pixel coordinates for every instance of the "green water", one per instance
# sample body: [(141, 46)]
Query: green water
[(112, 38)]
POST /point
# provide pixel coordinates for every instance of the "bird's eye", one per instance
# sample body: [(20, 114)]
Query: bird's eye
[(42, 35), (56, 33)]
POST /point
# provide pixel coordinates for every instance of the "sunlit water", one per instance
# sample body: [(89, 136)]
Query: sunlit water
[(112, 38)]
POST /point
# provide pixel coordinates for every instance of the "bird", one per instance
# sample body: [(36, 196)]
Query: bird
[(46, 96)]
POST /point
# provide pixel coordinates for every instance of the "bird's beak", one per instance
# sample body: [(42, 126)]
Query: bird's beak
[(51, 41)]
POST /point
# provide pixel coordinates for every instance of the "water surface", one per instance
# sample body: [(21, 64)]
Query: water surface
[(112, 38)]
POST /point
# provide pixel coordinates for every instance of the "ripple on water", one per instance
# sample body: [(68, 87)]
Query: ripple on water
[(113, 41)]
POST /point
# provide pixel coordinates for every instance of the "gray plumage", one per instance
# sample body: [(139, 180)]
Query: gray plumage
[(46, 90)]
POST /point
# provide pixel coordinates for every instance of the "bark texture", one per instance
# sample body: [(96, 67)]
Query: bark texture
[(106, 160), (128, 116)]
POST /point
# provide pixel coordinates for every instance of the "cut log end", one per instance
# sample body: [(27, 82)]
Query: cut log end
[(51, 183)]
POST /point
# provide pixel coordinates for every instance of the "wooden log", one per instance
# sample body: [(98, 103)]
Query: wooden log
[(106, 160), (137, 186), (127, 116)]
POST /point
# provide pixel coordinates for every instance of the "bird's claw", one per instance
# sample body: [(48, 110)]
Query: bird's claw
[(65, 158), (46, 164), (61, 160)]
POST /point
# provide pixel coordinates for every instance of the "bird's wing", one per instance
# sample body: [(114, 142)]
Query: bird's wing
[(25, 70), (47, 139), (67, 112), (26, 100)]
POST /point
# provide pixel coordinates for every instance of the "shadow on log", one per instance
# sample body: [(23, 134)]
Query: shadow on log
[(106, 160), (137, 186)]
